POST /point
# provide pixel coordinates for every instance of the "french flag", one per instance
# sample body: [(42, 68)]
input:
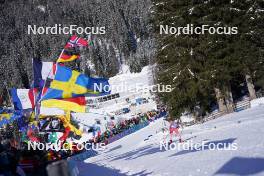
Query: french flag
[(42, 71), (23, 98)]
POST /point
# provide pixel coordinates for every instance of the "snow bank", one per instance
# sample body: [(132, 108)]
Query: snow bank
[(140, 154), (187, 118), (257, 102), (130, 80)]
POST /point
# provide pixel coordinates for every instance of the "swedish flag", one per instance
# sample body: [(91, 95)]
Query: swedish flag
[(68, 83)]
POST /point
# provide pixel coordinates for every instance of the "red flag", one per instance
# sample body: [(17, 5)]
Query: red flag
[(76, 42), (70, 51)]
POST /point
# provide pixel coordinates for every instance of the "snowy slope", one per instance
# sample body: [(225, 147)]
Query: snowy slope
[(135, 82), (132, 155), (257, 102), (129, 82)]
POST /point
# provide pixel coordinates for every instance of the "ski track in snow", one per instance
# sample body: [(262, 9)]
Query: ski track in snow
[(132, 155)]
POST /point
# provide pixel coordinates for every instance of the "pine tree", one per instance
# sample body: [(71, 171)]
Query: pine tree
[(178, 60), (128, 32), (198, 65)]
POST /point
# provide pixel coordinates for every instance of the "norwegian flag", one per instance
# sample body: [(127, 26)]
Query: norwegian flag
[(76, 42), (71, 50)]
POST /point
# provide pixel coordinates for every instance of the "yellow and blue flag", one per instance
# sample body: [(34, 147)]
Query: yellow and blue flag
[(9, 118), (69, 83)]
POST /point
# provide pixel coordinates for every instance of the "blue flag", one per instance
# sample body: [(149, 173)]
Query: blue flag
[(68, 83)]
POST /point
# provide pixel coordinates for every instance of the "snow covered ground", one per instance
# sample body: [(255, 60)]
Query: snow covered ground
[(140, 154), (257, 102), (131, 82)]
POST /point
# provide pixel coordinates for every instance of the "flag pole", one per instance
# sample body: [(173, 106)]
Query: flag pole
[(9, 97), (34, 93), (62, 51), (38, 102), (51, 71)]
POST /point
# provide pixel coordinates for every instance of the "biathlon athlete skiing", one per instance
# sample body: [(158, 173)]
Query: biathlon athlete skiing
[(174, 130)]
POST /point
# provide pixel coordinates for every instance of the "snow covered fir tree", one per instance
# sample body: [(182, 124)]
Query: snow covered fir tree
[(137, 88), (128, 38), (209, 69)]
